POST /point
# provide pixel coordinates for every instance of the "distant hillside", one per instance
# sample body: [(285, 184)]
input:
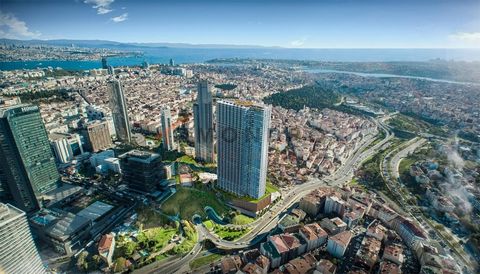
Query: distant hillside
[(68, 43), (120, 45)]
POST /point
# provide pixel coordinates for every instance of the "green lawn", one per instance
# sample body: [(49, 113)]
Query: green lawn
[(189, 201), (150, 240), (209, 224), (229, 234), (405, 164), (269, 188), (241, 219), (161, 236), (204, 260), (187, 160)]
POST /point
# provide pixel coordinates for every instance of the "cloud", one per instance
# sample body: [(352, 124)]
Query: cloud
[(298, 43), (120, 18), (103, 10), (472, 37), (102, 6), (14, 28)]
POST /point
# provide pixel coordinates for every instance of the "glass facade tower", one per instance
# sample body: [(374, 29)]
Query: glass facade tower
[(203, 118), (28, 165), (242, 156)]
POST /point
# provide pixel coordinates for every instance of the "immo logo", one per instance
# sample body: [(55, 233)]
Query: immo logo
[(29, 108)]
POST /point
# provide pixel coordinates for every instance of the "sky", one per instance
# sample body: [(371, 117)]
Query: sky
[(293, 24)]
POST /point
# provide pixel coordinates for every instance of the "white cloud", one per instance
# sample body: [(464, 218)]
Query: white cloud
[(103, 10), (470, 37), (102, 6), (120, 18), (14, 28), (298, 43)]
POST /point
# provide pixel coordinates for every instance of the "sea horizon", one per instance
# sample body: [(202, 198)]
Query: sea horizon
[(200, 55)]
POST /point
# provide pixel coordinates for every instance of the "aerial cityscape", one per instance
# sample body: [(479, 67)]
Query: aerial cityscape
[(286, 137)]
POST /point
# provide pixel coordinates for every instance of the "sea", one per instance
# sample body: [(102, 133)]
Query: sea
[(200, 55)]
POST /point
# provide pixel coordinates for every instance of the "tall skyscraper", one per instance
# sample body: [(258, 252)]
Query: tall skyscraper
[(27, 167), (242, 142), (167, 130), (18, 253), (118, 105), (203, 118)]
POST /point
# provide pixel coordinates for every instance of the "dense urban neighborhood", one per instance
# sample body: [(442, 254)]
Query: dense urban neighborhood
[(234, 166)]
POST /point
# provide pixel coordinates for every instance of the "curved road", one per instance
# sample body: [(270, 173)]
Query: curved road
[(391, 170), (269, 221)]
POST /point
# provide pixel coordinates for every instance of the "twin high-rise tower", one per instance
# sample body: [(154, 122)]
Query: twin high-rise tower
[(242, 147), (203, 117), (242, 141)]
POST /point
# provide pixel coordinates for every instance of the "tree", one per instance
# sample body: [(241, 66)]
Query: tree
[(82, 263), (130, 247), (96, 261), (119, 264)]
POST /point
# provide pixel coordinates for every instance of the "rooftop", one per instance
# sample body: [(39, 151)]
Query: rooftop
[(342, 238), (389, 268), (8, 213), (61, 193), (140, 156), (105, 242), (95, 210), (67, 225)]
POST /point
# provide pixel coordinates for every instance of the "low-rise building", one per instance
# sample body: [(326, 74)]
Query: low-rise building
[(393, 253), (106, 248), (367, 254), (337, 244), (325, 267), (333, 226), (387, 267), (314, 235)]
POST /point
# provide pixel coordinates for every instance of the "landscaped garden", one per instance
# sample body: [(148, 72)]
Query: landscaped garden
[(188, 201), (198, 262), (241, 219)]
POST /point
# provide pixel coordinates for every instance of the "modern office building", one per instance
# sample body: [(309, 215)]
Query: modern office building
[(142, 170), (66, 146), (203, 118), (167, 129), (242, 143), (18, 253), (118, 105), (27, 167), (98, 135)]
